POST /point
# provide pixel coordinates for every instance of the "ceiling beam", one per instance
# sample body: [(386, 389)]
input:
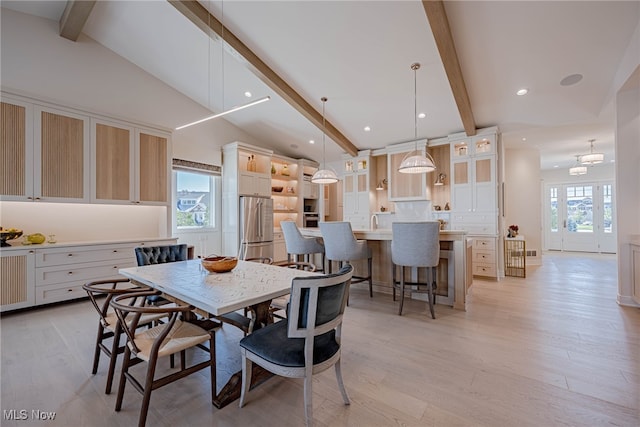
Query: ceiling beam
[(442, 33), (199, 15), (74, 17)]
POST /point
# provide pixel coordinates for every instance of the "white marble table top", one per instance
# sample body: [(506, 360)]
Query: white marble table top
[(217, 293)]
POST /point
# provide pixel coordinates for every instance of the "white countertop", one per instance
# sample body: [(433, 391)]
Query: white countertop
[(17, 243), (385, 234)]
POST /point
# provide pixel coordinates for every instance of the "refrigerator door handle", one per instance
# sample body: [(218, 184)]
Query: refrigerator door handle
[(260, 219)]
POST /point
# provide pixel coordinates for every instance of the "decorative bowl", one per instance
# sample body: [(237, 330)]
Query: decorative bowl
[(8, 235), (219, 264), (277, 189)]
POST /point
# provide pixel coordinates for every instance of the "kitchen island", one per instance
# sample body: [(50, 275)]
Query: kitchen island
[(453, 270)]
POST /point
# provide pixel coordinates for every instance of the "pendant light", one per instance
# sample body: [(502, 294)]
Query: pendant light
[(324, 176), (416, 163), (592, 158), (232, 109), (578, 169)]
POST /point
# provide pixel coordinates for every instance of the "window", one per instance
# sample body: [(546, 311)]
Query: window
[(195, 195)]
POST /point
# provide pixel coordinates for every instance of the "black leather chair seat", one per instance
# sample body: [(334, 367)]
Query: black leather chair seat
[(272, 344)]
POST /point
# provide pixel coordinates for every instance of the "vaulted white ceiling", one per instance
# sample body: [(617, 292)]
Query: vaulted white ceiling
[(358, 54)]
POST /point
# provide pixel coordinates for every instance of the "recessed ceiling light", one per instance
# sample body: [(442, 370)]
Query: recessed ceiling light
[(247, 94), (571, 80), (367, 129), (422, 115), (556, 166), (311, 141), (522, 92), (524, 139)]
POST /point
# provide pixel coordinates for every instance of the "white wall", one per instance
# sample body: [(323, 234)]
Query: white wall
[(522, 202), (627, 181), (35, 61)]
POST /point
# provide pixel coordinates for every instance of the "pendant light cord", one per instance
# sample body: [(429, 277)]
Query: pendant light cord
[(324, 148), (222, 49), (415, 103)]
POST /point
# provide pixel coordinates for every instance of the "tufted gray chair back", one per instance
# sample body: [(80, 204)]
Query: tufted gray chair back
[(416, 244), (146, 255)]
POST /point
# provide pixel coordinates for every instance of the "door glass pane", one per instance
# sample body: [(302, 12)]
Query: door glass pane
[(580, 209), (553, 209), (607, 208)]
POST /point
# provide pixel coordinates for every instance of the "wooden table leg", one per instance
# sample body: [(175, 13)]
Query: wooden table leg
[(231, 390)]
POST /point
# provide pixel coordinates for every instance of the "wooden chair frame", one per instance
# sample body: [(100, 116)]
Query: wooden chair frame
[(305, 292)]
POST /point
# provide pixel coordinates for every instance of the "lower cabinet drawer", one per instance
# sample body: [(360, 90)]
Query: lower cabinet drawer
[(484, 256), (60, 292), (487, 270), (82, 272)]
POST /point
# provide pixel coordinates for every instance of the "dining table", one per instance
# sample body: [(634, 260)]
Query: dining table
[(249, 285)]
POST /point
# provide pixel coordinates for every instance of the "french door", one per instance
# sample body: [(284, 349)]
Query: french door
[(580, 217)]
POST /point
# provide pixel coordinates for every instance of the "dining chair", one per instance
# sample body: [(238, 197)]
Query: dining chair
[(108, 326), (149, 255), (341, 245), (298, 245), (148, 345), (308, 341), (415, 244), (280, 304)]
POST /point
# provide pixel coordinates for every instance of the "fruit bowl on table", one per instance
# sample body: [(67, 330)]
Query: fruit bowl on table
[(8, 235), (219, 264)]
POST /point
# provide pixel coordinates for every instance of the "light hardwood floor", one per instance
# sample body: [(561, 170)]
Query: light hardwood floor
[(553, 349)]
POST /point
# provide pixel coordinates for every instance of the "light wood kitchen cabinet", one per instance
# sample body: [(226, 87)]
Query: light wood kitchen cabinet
[(153, 175), (45, 153), (112, 161), (16, 147), (129, 165), (405, 186), (17, 279)]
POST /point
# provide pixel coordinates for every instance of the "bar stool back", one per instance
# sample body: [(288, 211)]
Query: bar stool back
[(415, 244), (297, 244), (341, 245)]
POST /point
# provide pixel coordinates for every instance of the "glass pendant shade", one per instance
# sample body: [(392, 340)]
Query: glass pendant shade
[(591, 158), (324, 176), (415, 161)]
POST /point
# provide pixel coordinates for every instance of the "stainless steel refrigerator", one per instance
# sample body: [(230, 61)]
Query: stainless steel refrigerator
[(256, 227)]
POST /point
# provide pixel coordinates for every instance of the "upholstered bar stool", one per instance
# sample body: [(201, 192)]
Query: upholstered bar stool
[(297, 244), (341, 245), (415, 244)]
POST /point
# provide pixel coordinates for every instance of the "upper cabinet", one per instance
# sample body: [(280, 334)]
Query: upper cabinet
[(405, 186), (358, 202), (61, 155), (474, 187), (45, 153), (153, 167), (285, 190)]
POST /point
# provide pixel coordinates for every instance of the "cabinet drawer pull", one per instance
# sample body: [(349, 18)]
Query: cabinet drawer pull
[(69, 254), (115, 251), (69, 290), (70, 273)]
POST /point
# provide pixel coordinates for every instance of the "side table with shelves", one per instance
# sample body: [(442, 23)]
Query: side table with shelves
[(515, 257)]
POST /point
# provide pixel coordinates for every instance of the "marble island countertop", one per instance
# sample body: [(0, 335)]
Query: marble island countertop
[(385, 234)]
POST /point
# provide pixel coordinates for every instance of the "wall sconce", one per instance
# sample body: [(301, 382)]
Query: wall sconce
[(440, 179), (382, 184)]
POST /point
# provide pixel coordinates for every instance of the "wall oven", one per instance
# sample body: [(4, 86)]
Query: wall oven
[(310, 220)]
